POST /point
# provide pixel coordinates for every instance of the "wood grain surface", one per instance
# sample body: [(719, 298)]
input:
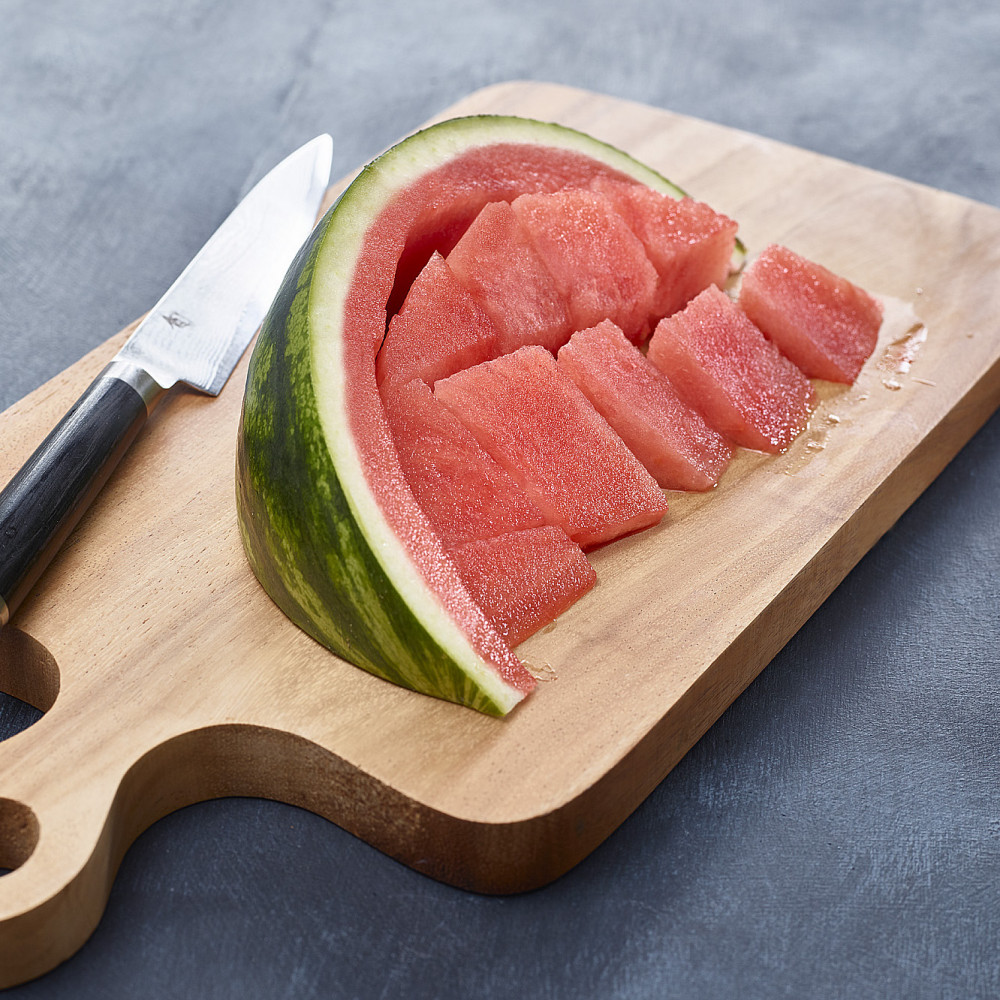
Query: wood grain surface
[(168, 676)]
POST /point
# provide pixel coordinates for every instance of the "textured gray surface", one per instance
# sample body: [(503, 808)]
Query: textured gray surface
[(837, 832)]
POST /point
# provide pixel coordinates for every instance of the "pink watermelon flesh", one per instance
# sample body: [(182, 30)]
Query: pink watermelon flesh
[(671, 439), (721, 364), (465, 494), (599, 265), (499, 265), (537, 424), (824, 323), (525, 579), (439, 330), (439, 207), (690, 244)]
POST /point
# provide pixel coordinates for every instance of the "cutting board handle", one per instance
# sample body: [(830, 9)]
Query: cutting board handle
[(73, 797), (56, 837), (71, 804)]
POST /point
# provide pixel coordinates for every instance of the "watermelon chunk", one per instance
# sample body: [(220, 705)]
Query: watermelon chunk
[(525, 579), (536, 423), (598, 263), (824, 323), (670, 438), (439, 330), (499, 265), (689, 243), (725, 367), (465, 494)]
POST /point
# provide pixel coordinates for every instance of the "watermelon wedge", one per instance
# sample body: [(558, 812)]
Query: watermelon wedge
[(824, 323), (525, 579), (328, 521), (496, 260), (521, 571), (670, 438), (689, 243), (530, 416), (599, 266), (725, 367), (439, 330), (465, 494)]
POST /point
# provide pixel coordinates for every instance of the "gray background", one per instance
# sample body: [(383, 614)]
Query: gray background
[(837, 832)]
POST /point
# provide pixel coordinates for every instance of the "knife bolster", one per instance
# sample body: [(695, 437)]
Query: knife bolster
[(138, 378)]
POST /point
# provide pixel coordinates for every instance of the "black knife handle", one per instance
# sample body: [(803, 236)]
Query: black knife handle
[(41, 505)]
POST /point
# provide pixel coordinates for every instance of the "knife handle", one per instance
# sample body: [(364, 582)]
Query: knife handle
[(46, 498)]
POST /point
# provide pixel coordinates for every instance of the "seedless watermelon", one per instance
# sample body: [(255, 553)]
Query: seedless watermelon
[(440, 330), (689, 243), (531, 417), (465, 494), (827, 325), (497, 261), (722, 365), (524, 579), (328, 521), (599, 265), (670, 438)]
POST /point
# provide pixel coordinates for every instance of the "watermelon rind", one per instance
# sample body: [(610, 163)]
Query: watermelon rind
[(313, 528)]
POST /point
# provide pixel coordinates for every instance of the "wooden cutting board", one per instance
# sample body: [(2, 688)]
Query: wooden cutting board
[(168, 676)]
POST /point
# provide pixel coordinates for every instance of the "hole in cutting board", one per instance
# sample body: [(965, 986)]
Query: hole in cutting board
[(29, 679), (18, 834)]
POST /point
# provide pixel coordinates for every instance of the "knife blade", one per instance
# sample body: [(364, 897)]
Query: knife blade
[(195, 334)]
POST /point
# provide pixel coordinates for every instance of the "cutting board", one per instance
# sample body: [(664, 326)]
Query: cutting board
[(167, 676)]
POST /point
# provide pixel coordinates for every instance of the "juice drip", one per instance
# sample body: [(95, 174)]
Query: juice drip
[(900, 354)]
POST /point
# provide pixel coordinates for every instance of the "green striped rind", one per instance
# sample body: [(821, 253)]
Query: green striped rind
[(314, 533), (303, 540)]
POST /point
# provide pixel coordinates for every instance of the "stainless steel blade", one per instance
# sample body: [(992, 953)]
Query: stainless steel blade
[(200, 328)]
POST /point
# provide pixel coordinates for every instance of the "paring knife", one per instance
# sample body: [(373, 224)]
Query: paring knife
[(195, 334)]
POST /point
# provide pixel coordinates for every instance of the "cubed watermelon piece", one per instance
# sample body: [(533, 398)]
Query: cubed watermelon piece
[(499, 265), (722, 365), (689, 243), (670, 438), (599, 264), (464, 493), (525, 579), (531, 417), (439, 330), (824, 323)]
